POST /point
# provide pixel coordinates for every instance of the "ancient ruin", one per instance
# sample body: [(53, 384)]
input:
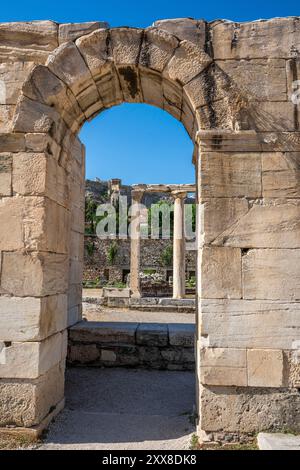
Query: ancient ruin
[(234, 88)]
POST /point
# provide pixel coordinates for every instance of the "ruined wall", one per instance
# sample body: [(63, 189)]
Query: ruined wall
[(230, 85), (96, 257)]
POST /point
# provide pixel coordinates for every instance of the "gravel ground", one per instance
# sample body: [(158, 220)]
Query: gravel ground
[(124, 409)]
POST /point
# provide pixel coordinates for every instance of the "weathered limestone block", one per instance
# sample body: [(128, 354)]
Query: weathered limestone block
[(275, 38), (42, 85), (292, 74), (95, 51), (265, 367), (151, 84), (271, 224), (223, 409), (223, 376), (109, 88), (223, 357), (71, 31), (5, 174), (271, 274), (211, 85), (114, 332), (126, 44), (108, 356), (188, 61), (281, 174), (27, 41), (77, 220), (76, 250), (230, 175), (181, 335), (31, 359), (220, 273), (273, 116), (12, 142), (172, 94), (83, 353), (31, 116), (74, 295), (68, 64), (188, 119), (6, 117), (14, 75), (35, 274), (292, 364), (218, 215), (74, 315), (249, 323), (40, 143), (157, 49), (185, 28), (33, 223), (32, 319), (154, 334), (130, 83), (40, 174), (75, 272), (28, 402), (259, 79)]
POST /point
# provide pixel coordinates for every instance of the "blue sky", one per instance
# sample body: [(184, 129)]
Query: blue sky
[(140, 143)]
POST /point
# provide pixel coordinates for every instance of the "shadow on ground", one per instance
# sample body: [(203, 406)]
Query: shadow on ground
[(125, 409)]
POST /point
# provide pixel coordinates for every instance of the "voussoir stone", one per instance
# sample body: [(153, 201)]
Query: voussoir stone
[(72, 31), (188, 61), (157, 49)]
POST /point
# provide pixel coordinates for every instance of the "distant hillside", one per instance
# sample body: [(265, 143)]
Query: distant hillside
[(98, 191)]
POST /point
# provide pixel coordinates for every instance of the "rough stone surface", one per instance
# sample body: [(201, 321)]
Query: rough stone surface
[(221, 271), (238, 323), (263, 280), (28, 402), (31, 319), (223, 409), (151, 345), (265, 368)]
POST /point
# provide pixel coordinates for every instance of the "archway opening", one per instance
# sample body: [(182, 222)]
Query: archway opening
[(147, 341)]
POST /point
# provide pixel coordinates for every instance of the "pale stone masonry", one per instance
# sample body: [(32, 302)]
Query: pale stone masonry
[(231, 86)]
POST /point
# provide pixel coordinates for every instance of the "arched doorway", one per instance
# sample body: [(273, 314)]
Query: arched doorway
[(176, 71)]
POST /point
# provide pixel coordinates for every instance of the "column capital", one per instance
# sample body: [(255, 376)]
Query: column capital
[(179, 194), (137, 194)]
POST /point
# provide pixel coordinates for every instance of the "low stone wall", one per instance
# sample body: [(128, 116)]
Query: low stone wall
[(146, 345)]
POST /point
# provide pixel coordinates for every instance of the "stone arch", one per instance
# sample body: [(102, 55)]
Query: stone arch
[(242, 143), (110, 66)]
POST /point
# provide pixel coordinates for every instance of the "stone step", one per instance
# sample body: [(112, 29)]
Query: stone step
[(148, 345), (278, 441)]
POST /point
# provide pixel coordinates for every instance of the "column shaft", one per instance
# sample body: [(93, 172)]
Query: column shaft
[(179, 247)]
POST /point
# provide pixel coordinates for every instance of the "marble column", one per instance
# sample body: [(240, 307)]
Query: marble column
[(135, 243), (178, 246)]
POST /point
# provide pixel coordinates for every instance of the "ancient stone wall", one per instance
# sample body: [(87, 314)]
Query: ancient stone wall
[(231, 86), (96, 263), (152, 346)]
